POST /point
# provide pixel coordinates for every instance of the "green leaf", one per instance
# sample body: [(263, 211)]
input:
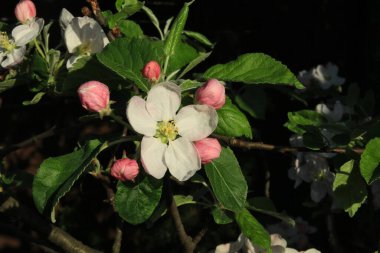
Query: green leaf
[(57, 175), (220, 216), (350, 190), (252, 100), (128, 7), (3, 26), (227, 181), (297, 120), (232, 122), (201, 57), (35, 99), (127, 57), (187, 85), (130, 29), (153, 19), (266, 206), (369, 161), (135, 203), (199, 37), (254, 68), (175, 33), (7, 84), (88, 69), (184, 54), (252, 229)]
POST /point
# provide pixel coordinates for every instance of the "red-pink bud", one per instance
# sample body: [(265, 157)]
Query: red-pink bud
[(152, 71), (211, 93), (25, 10), (94, 96), (125, 169), (208, 149)]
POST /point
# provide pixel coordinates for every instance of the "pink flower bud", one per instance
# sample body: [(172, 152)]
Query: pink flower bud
[(25, 10), (94, 96), (211, 93), (208, 149), (152, 71), (125, 169)]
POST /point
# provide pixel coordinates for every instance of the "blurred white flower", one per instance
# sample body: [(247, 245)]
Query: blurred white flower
[(296, 236), (335, 114), (244, 245), (83, 36), (327, 76)]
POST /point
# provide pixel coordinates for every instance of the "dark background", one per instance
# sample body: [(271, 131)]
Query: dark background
[(301, 34)]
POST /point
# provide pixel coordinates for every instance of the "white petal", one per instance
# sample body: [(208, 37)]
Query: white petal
[(163, 101), (152, 156), (278, 249), (290, 250), (14, 58), (65, 18), (23, 34), (182, 159), (73, 36), (139, 117), (312, 251), (196, 122)]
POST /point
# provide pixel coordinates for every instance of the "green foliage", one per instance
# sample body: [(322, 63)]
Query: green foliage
[(220, 216), (131, 29), (252, 229), (176, 29), (183, 55), (128, 7), (135, 203), (127, 58), (57, 175), (187, 85), (88, 69), (199, 37), (200, 58), (232, 122), (369, 161), (254, 68), (7, 84), (350, 190), (227, 181), (304, 118)]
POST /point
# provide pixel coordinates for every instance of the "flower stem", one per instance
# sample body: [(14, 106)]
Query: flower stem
[(166, 65), (36, 43)]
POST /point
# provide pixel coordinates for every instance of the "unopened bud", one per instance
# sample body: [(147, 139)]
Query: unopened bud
[(125, 169), (211, 93), (25, 10), (208, 149), (94, 96), (152, 71)]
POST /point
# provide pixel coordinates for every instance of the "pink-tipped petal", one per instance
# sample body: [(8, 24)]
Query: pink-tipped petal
[(94, 96), (211, 93), (208, 149)]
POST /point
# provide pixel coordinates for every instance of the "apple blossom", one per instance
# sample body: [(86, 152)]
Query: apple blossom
[(208, 149), (212, 93), (25, 11), (83, 36), (152, 71), (11, 53), (334, 114), (94, 96), (168, 135), (125, 169), (327, 76)]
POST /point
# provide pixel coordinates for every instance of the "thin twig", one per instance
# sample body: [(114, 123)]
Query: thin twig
[(99, 17), (187, 241), (54, 234), (117, 243), (239, 143)]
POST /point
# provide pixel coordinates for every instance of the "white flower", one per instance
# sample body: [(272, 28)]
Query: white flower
[(334, 114), (83, 36), (327, 76), (169, 136), (12, 50)]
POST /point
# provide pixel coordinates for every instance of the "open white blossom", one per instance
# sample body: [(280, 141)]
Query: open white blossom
[(335, 114), (244, 245), (12, 50), (168, 135), (327, 76), (83, 36)]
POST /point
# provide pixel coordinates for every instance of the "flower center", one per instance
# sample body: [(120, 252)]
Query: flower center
[(6, 43), (84, 49), (166, 131)]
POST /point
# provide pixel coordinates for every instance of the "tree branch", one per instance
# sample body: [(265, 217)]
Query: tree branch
[(239, 143), (187, 241), (54, 234)]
